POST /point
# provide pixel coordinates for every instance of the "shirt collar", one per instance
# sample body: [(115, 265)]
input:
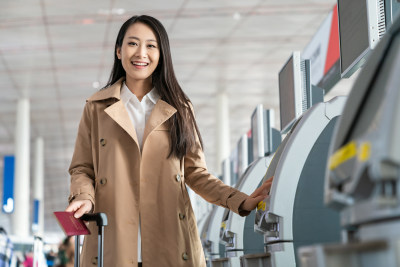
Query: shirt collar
[(127, 95), (153, 95)]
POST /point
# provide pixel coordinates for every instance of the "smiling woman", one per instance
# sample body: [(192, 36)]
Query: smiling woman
[(138, 146), (139, 55)]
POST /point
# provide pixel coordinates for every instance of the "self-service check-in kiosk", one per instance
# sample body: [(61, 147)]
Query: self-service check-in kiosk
[(210, 233), (265, 140), (363, 175), (294, 213)]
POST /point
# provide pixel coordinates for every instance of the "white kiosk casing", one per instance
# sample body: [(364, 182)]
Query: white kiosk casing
[(362, 179), (232, 229), (265, 140), (210, 233), (275, 215)]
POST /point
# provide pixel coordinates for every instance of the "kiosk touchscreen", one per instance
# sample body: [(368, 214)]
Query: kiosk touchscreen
[(362, 24), (296, 93), (265, 139), (244, 157)]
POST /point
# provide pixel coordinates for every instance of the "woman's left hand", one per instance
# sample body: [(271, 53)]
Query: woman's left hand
[(258, 195)]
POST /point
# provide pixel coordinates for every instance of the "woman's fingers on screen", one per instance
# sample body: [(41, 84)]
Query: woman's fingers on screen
[(263, 189), (258, 199), (258, 191), (251, 202)]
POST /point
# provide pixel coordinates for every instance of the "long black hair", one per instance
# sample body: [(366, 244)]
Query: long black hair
[(183, 124)]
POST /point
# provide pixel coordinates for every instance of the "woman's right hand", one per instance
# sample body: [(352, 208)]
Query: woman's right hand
[(80, 207)]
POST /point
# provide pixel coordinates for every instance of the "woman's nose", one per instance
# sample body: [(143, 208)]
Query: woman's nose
[(141, 51)]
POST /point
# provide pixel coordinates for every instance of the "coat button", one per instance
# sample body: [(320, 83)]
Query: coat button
[(103, 181), (103, 142), (94, 260), (178, 177), (185, 256), (181, 216)]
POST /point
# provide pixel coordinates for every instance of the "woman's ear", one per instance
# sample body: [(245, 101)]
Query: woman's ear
[(118, 52)]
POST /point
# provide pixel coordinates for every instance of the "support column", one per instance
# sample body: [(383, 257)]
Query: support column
[(38, 187), (20, 218), (223, 131)]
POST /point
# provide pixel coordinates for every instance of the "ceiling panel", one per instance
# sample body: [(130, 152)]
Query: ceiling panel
[(14, 10), (222, 4), (28, 61), (143, 7), (26, 80), (74, 9), (76, 36), (16, 39), (192, 28), (67, 75)]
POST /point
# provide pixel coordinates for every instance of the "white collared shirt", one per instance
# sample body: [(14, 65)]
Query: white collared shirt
[(139, 112)]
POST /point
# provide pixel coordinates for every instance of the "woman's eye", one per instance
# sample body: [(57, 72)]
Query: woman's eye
[(132, 43), (151, 46)]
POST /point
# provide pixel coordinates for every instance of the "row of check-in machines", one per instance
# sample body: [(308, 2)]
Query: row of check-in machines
[(334, 199)]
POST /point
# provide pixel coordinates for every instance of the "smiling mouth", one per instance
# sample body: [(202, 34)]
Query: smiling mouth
[(141, 64)]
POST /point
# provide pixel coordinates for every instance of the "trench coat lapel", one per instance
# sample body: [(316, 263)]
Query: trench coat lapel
[(162, 112), (117, 110), (119, 114)]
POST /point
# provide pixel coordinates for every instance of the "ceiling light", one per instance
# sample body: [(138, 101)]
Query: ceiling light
[(114, 11), (96, 85), (87, 21), (236, 16), (103, 11), (118, 11)]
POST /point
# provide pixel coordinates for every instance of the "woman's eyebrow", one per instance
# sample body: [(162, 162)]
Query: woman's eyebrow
[(136, 38)]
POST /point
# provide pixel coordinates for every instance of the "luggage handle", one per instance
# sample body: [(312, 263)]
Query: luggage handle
[(99, 218), (101, 221)]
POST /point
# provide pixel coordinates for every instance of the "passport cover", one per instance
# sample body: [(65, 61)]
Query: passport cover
[(70, 224)]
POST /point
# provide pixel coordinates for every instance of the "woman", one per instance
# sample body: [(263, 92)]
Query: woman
[(138, 145)]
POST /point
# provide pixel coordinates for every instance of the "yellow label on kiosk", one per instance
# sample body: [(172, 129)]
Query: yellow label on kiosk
[(345, 153), (261, 205), (365, 151), (349, 151), (223, 225)]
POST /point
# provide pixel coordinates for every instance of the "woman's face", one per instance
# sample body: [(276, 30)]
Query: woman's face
[(139, 52)]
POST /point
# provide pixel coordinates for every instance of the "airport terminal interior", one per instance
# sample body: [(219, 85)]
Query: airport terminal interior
[(304, 91)]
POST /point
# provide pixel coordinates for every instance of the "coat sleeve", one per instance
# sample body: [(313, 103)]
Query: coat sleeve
[(81, 168), (208, 186)]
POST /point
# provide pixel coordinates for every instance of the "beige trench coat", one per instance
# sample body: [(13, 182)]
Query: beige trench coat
[(109, 169)]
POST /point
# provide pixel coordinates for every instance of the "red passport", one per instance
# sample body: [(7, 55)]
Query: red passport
[(70, 224)]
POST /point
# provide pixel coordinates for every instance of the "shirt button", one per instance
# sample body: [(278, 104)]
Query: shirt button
[(94, 260), (103, 142), (178, 177), (181, 216), (185, 256), (103, 181)]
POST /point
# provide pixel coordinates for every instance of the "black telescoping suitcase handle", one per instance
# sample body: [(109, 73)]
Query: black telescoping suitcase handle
[(99, 218), (101, 221)]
